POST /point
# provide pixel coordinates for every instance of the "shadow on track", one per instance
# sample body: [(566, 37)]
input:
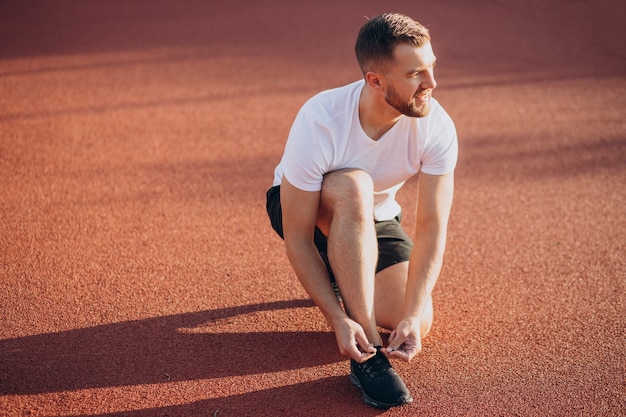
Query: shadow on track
[(155, 350), (303, 400)]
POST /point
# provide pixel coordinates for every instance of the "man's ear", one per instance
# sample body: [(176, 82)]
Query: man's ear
[(374, 80)]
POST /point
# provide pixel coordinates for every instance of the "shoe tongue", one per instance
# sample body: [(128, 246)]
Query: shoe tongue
[(376, 366), (379, 357)]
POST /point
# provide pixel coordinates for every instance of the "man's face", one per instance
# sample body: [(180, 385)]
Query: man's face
[(411, 80)]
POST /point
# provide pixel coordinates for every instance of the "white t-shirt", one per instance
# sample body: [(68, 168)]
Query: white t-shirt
[(327, 136)]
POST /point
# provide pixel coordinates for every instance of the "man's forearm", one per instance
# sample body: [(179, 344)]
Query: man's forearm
[(424, 268), (313, 275)]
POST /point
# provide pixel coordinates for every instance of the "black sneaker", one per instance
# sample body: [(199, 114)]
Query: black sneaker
[(381, 385)]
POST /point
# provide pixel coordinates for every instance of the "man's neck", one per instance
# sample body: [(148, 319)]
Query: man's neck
[(375, 115)]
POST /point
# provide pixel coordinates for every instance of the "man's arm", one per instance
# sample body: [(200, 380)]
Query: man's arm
[(434, 203), (300, 212)]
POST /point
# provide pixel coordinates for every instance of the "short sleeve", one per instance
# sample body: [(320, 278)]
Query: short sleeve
[(306, 158), (441, 148)]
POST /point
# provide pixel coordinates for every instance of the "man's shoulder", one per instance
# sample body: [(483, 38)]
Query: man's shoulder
[(334, 101), (341, 91)]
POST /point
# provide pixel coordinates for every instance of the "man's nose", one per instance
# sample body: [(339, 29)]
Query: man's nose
[(429, 81)]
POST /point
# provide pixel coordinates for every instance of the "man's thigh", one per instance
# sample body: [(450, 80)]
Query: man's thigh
[(394, 245)]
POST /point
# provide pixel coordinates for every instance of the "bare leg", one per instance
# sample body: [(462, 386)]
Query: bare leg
[(389, 298), (346, 213)]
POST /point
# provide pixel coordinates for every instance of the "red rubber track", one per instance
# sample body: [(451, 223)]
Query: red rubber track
[(139, 274)]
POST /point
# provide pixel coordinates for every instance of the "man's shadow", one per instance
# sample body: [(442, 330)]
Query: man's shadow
[(332, 396), (155, 350)]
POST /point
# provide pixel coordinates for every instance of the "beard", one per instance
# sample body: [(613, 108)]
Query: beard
[(411, 108)]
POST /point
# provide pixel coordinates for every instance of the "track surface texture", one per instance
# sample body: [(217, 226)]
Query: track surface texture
[(140, 276)]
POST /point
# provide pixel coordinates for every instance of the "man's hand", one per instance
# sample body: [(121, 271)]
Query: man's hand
[(405, 341), (352, 340)]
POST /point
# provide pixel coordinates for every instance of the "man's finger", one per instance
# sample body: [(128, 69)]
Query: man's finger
[(406, 352), (366, 351), (394, 352), (395, 341), (359, 356), (365, 344), (399, 354)]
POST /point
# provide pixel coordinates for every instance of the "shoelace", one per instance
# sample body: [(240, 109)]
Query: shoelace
[(375, 367)]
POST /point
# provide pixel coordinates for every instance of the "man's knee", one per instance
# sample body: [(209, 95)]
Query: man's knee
[(348, 186), (348, 193)]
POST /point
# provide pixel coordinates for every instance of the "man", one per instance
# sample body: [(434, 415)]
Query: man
[(333, 202)]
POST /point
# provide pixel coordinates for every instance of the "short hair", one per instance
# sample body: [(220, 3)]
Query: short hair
[(379, 35)]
